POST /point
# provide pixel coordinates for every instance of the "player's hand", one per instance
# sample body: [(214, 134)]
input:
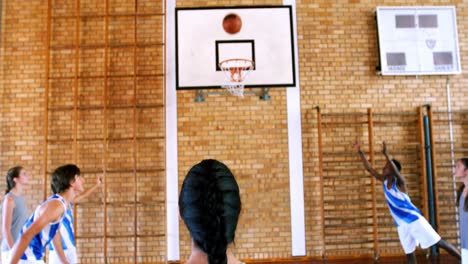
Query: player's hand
[(357, 146), (99, 180), (384, 148)]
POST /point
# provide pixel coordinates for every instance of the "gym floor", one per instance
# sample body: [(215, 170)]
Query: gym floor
[(441, 259)]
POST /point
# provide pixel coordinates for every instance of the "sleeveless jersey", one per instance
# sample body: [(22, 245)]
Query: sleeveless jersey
[(66, 230), (19, 218), (37, 246), (399, 203)]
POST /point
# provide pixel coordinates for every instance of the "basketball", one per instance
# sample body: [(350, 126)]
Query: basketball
[(232, 23)]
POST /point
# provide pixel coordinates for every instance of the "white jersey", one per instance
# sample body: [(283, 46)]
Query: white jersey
[(38, 244), (399, 203), (68, 239)]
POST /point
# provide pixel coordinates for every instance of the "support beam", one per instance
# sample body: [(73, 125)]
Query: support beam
[(296, 178), (172, 175)]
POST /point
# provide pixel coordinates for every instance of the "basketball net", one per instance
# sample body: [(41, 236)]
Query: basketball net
[(236, 72)]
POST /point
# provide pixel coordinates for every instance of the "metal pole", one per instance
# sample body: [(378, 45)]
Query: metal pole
[(434, 168), (425, 203), (430, 191), (452, 154)]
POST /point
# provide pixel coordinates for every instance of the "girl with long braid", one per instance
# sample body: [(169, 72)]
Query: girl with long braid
[(461, 173), (15, 211), (209, 204)]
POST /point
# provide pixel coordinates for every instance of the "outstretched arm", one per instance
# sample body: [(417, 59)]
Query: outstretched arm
[(88, 191), (400, 179), (366, 163), (51, 212)]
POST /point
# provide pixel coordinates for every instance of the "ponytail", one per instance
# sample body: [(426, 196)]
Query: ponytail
[(214, 243), (11, 174)]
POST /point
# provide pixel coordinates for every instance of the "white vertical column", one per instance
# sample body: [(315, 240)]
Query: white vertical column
[(296, 178), (172, 215)]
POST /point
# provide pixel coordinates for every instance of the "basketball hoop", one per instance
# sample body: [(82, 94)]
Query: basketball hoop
[(235, 73)]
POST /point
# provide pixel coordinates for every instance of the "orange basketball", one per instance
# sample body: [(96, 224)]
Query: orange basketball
[(232, 23)]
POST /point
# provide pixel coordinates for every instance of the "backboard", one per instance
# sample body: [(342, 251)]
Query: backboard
[(263, 34)]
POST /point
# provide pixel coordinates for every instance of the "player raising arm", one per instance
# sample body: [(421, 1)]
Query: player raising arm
[(413, 228)]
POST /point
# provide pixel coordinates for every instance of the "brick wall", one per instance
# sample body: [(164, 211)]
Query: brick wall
[(337, 59), (1, 19), (1, 71), (103, 104), (22, 92), (338, 55), (250, 136)]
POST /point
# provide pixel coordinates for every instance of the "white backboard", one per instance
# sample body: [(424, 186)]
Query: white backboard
[(266, 37), (418, 40)]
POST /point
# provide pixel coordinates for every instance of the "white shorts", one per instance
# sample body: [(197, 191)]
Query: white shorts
[(5, 256), (464, 255), (417, 232), (31, 262), (70, 254)]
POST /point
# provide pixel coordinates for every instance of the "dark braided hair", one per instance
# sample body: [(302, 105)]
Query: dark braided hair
[(11, 174), (209, 204), (462, 187)]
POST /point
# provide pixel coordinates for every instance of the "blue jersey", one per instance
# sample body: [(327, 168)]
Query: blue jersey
[(66, 230), (399, 203), (38, 244)]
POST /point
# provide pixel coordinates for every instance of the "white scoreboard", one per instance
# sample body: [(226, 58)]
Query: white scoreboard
[(418, 40)]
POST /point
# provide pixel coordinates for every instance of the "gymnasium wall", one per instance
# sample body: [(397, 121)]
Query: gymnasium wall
[(250, 136), (1, 18), (22, 91), (84, 82), (1, 69), (338, 55), (337, 59)]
